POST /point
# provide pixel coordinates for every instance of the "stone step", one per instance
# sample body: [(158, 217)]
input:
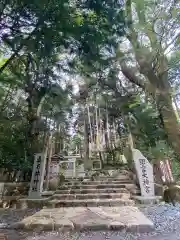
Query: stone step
[(91, 196), (119, 178), (89, 202), (93, 190), (135, 191), (100, 186), (106, 177), (99, 182), (126, 218), (120, 175)]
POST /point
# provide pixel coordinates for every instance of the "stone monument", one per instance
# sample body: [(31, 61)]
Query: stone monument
[(1, 189), (37, 179), (145, 176), (145, 173)]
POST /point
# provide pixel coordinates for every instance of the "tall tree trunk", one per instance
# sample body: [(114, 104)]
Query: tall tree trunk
[(49, 161), (87, 164), (33, 119), (176, 105), (171, 126)]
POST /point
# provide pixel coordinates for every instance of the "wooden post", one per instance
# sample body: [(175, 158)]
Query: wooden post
[(97, 130), (107, 128), (74, 168), (86, 145), (49, 161)]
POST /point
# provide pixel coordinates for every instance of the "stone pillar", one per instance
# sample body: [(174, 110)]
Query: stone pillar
[(1, 190), (144, 172), (74, 168), (37, 179)]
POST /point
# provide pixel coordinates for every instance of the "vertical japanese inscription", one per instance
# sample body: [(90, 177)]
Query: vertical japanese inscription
[(145, 179), (37, 174)]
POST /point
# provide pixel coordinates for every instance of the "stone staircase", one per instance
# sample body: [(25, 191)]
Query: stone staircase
[(106, 191), (102, 201), (105, 203)]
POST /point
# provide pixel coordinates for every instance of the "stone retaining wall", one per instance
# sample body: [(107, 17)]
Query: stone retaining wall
[(20, 188), (12, 192)]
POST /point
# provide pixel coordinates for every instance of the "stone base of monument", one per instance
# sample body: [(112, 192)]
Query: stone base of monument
[(47, 193), (148, 200)]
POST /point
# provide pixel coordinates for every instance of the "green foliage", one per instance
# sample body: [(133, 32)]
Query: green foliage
[(15, 142), (13, 145), (175, 169), (76, 142), (145, 125), (159, 152), (44, 45)]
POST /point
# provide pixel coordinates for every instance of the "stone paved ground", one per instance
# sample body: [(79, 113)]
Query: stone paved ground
[(91, 218), (162, 233)]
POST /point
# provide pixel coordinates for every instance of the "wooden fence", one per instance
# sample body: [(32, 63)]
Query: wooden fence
[(163, 172)]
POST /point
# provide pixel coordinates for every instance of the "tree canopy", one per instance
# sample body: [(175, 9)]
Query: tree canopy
[(65, 64)]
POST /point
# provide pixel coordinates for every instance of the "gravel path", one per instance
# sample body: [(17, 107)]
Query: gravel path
[(165, 217), (13, 235)]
